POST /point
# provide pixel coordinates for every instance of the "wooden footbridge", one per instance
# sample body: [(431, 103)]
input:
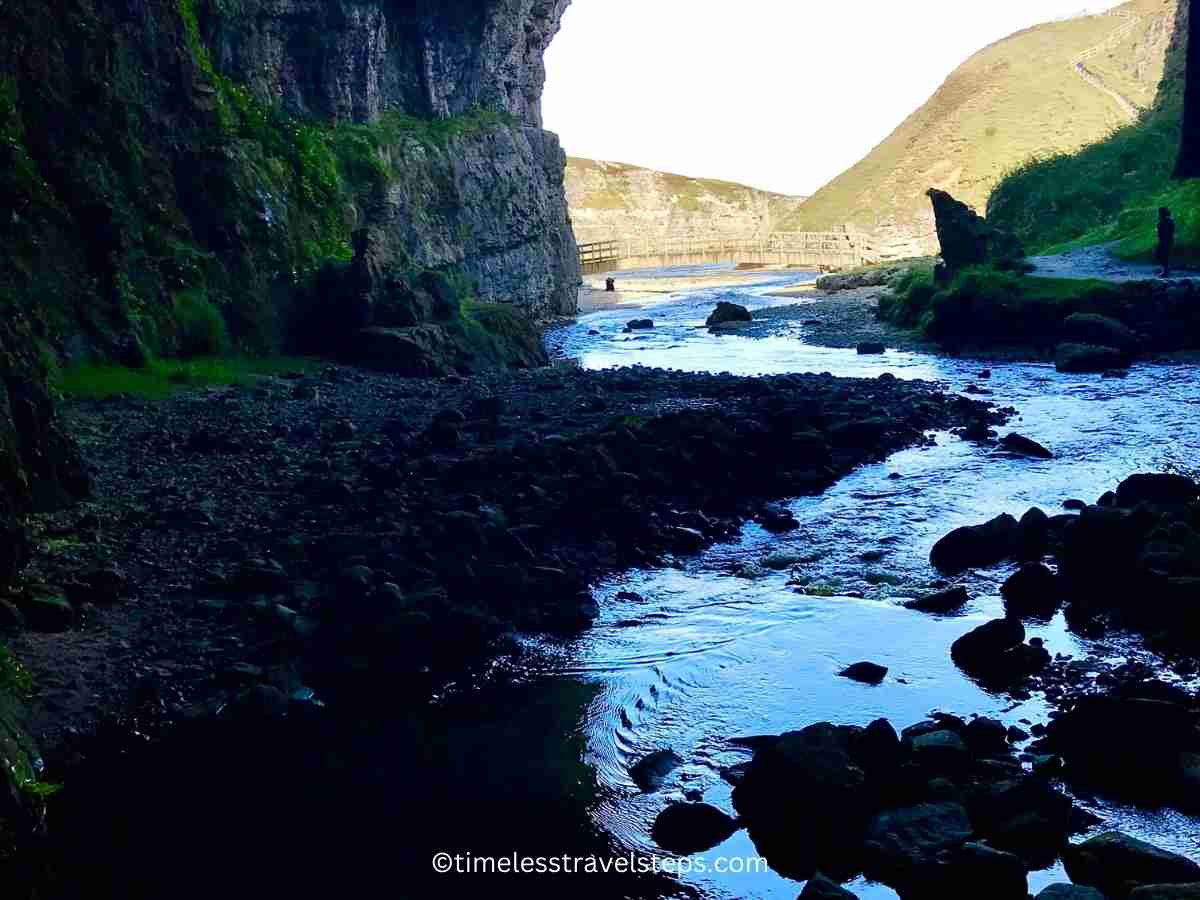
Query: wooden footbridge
[(832, 250)]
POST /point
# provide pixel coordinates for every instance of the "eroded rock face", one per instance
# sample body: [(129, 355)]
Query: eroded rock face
[(41, 468), (261, 135), (966, 237), (493, 203), (433, 58)]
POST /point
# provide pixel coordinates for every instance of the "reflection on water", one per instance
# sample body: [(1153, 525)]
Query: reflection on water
[(707, 655)]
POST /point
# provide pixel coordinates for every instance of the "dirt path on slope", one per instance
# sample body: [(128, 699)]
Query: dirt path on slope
[(1099, 262)]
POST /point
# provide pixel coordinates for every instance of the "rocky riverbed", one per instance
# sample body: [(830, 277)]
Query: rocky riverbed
[(348, 528), (307, 562)]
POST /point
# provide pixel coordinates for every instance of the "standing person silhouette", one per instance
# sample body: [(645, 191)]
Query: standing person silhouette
[(1166, 240)]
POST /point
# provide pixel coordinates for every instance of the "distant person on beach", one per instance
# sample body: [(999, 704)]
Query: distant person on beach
[(1166, 240)]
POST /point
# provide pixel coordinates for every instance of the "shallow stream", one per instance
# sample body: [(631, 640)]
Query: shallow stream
[(709, 653)]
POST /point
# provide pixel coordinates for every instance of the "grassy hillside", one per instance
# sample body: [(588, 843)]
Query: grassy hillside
[(1111, 190), (1018, 99), (611, 199)]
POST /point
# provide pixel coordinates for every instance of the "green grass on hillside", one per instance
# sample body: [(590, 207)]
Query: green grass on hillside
[(984, 307), (161, 378), (1134, 230), (1013, 101), (1058, 200), (1111, 190)]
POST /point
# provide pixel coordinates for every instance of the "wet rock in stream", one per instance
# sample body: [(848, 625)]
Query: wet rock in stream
[(1115, 862), (944, 811), (996, 653), (976, 546), (821, 888), (865, 672), (691, 828), (943, 602), (650, 772), (1132, 560)]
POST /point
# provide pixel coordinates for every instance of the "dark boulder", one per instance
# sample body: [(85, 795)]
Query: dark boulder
[(1033, 590), (1129, 746), (975, 870), (1157, 489), (49, 613), (865, 672), (900, 842), (1081, 358), (777, 518), (424, 351), (966, 237), (877, 748), (1070, 892), (41, 469), (805, 800), (871, 348), (1036, 528), (943, 602), (14, 549), (103, 586), (821, 888), (1097, 330), (977, 546), (986, 736), (1023, 446), (1099, 555), (639, 324), (1167, 892), (262, 576), (688, 828), (728, 313), (12, 620), (995, 652), (940, 752), (649, 772), (1112, 862), (1022, 814)]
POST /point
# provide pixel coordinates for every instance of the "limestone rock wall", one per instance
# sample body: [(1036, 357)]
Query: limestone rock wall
[(614, 200), (159, 156), (224, 152), (491, 203), (354, 60)]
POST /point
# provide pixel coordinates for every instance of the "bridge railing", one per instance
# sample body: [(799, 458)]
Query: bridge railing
[(600, 251), (837, 246)]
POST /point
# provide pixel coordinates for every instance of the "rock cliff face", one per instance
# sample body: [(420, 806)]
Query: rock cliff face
[(356, 60), (163, 160), (222, 153), (491, 202), (614, 200)]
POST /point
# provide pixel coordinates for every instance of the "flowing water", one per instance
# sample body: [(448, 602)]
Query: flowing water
[(533, 756), (715, 647)]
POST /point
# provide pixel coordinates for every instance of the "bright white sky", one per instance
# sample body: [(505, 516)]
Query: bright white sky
[(779, 94)]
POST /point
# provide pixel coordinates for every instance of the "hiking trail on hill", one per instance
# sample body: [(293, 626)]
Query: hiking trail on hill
[(1099, 262)]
